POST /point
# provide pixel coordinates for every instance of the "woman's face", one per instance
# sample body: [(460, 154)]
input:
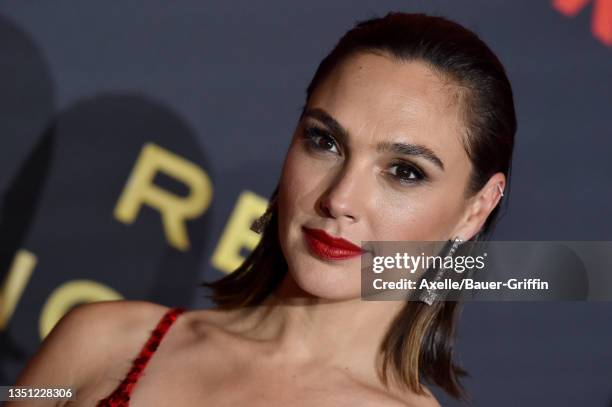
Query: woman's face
[(342, 174)]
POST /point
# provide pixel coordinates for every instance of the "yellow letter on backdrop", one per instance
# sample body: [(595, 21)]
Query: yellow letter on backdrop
[(237, 233), (69, 294), (175, 210), (15, 282)]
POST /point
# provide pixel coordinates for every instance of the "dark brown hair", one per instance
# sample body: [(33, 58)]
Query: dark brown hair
[(419, 346)]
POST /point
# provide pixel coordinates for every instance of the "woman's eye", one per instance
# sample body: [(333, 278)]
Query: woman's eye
[(321, 140), (407, 174)]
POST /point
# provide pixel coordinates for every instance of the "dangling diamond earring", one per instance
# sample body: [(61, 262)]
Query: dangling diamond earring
[(428, 296), (260, 223)]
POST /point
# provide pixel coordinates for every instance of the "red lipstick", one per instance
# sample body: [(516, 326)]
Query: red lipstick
[(329, 247)]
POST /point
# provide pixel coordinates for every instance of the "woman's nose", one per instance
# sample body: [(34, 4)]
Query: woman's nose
[(345, 196)]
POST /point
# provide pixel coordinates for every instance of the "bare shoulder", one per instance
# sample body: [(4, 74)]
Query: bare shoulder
[(113, 315), (100, 322), (403, 398), (82, 340), (413, 400), (426, 400)]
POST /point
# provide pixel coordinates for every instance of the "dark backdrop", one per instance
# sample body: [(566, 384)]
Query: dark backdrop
[(199, 99)]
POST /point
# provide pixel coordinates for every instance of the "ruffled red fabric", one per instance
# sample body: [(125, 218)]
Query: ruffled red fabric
[(121, 396)]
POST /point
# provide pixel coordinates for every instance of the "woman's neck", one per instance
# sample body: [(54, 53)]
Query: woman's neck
[(298, 327)]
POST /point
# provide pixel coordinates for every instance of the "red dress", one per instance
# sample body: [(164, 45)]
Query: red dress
[(121, 396)]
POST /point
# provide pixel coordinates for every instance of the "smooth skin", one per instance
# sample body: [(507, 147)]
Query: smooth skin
[(314, 342)]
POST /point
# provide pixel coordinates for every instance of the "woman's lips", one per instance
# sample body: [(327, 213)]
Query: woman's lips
[(329, 247)]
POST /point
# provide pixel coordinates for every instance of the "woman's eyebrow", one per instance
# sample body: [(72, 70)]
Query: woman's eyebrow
[(411, 149), (330, 122), (417, 150)]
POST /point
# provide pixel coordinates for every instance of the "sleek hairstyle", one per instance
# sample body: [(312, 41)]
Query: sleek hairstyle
[(418, 347)]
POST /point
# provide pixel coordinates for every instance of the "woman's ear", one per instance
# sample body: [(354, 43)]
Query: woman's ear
[(480, 206)]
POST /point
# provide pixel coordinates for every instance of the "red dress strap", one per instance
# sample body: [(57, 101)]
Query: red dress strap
[(121, 396)]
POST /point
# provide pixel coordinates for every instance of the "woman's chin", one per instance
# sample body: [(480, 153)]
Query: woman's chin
[(325, 283)]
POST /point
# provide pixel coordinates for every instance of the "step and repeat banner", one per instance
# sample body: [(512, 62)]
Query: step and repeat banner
[(139, 141)]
